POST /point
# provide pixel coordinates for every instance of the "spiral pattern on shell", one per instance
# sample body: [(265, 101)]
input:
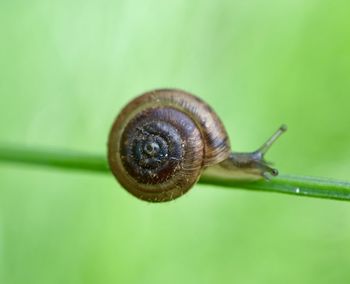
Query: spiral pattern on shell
[(161, 141)]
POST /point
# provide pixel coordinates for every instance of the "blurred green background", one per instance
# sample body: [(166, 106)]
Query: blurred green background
[(67, 68)]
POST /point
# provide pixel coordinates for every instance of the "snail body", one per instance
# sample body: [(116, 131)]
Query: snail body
[(162, 142)]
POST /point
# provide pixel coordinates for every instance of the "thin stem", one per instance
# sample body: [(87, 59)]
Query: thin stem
[(292, 184), (58, 158), (72, 160)]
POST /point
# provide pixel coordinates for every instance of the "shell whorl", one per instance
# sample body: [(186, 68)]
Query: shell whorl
[(162, 140)]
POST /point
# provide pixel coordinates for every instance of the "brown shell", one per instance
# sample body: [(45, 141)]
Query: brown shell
[(186, 134)]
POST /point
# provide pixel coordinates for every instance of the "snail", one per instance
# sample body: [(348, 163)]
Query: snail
[(163, 141)]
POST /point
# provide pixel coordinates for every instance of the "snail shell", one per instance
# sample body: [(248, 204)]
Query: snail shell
[(162, 140)]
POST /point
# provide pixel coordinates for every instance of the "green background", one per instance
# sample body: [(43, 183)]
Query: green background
[(67, 68)]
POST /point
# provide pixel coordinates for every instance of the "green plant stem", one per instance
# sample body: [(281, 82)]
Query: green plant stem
[(74, 160), (58, 158)]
